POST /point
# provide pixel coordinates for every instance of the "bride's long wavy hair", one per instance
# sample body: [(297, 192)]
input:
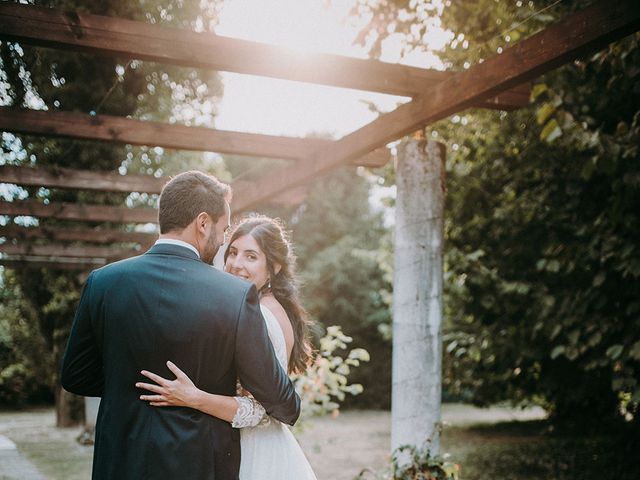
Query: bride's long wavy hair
[(272, 238)]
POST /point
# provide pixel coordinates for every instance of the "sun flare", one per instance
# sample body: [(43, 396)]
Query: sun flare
[(278, 107)]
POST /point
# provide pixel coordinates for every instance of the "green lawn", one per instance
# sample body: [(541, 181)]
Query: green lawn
[(507, 445), (527, 451), (53, 451)]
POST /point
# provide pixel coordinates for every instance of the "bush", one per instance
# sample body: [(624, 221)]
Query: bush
[(325, 383)]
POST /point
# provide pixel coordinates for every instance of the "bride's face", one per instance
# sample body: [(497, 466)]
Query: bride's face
[(246, 260)]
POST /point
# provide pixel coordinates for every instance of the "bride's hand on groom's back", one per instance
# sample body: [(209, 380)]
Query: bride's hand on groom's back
[(180, 392)]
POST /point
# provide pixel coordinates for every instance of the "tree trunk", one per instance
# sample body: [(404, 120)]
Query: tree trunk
[(69, 408), (417, 295), (91, 407)]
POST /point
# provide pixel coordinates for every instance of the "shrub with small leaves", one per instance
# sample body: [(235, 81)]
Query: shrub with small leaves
[(411, 463), (325, 383)]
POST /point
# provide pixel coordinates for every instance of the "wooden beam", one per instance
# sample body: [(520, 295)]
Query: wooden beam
[(292, 197), (128, 39), (73, 251), (138, 132), (74, 211), (375, 159), (76, 235), (581, 33), (67, 178), (21, 262)]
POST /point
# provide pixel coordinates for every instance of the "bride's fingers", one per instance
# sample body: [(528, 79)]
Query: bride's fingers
[(153, 398), (176, 371), (160, 404), (150, 387), (156, 378)]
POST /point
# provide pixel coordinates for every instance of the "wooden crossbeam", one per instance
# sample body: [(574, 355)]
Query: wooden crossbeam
[(583, 32), (68, 263), (374, 159), (76, 235), (138, 132), (73, 251), (67, 178), (128, 39), (74, 211), (294, 196)]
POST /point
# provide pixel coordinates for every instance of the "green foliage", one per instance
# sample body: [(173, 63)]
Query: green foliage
[(543, 265), (25, 365), (325, 383), (52, 80), (479, 29), (542, 260), (421, 466), (339, 240), (411, 463)]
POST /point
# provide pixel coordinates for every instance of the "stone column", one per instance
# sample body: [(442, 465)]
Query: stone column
[(417, 294)]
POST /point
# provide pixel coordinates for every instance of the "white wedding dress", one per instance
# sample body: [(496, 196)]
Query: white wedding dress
[(269, 451)]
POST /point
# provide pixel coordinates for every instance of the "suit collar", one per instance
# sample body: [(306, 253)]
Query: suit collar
[(170, 249), (175, 241)]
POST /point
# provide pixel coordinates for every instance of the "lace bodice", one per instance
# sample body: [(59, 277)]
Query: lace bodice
[(250, 413)]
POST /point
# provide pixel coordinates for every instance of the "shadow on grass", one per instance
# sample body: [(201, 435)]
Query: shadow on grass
[(530, 451)]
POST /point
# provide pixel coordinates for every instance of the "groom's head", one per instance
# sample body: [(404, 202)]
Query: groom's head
[(194, 207)]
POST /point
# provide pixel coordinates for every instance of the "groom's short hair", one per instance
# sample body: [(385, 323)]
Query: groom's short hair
[(187, 195)]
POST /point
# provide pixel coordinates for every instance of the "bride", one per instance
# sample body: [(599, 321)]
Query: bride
[(258, 252)]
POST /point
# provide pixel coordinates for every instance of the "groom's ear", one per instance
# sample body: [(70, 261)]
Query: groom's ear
[(201, 220)]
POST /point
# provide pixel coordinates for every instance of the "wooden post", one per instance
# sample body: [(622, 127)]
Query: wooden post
[(417, 295)]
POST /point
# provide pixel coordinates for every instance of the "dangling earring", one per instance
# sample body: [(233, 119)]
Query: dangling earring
[(269, 284)]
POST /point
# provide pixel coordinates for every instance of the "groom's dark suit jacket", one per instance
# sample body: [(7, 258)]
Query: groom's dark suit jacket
[(168, 305)]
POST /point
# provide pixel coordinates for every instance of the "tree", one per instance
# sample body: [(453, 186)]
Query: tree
[(542, 264), (338, 240), (23, 349), (550, 269), (44, 79)]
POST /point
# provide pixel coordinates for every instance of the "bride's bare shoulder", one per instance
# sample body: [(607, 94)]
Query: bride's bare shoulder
[(274, 307), (278, 311)]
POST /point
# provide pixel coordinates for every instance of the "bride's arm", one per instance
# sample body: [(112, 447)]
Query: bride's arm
[(181, 392)]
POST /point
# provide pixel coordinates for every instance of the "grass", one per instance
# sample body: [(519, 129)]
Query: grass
[(527, 451), (59, 460), (507, 445), (53, 451)]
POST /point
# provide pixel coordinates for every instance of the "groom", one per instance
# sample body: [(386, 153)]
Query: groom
[(170, 304)]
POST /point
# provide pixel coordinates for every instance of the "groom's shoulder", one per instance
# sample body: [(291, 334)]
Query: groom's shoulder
[(124, 264), (226, 281), (116, 268)]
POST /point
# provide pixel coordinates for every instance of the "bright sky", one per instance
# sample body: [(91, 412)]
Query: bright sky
[(277, 107)]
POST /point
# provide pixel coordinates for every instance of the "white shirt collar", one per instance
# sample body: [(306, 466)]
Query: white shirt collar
[(171, 241)]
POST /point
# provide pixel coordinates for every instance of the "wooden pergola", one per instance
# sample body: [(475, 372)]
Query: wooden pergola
[(500, 82)]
